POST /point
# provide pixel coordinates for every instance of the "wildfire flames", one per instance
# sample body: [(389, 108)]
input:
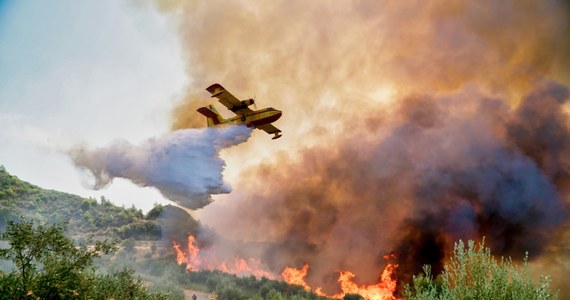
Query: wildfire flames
[(195, 261), (383, 290), (192, 261)]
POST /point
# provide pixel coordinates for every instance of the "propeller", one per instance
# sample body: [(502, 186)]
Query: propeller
[(254, 103)]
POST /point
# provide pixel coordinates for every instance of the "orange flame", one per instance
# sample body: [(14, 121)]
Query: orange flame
[(296, 276), (180, 256), (195, 261), (242, 267), (383, 290)]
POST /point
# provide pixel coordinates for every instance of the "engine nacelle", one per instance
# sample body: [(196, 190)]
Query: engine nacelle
[(242, 104), (247, 102)]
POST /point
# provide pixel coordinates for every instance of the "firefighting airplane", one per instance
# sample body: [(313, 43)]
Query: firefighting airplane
[(260, 119)]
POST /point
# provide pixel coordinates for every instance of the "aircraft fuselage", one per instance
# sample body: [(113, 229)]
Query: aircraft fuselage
[(256, 118)]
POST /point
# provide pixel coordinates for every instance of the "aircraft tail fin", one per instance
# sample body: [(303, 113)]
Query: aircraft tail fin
[(213, 116)]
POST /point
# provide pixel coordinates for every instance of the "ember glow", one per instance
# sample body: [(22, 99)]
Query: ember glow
[(383, 290)]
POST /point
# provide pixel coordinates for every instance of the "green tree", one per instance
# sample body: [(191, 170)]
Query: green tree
[(473, 273), (47, 263), (155, 211)]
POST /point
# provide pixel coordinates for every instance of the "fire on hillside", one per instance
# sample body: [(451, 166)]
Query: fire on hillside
[(197, 260)]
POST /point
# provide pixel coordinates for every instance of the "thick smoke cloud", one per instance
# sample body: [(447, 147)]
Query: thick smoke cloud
[(446, 168), (184, 165), (490, 186)]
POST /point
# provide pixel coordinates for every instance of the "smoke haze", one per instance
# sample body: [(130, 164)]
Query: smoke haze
[(184, 165)]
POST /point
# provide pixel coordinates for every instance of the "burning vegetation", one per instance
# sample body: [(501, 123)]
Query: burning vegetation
[(383, 290), (197, 261)]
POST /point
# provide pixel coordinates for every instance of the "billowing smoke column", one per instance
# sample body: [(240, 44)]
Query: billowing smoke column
[(184, 165), (409, 124), (493, 174)]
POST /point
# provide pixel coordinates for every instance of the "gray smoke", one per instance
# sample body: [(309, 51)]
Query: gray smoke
[(185, 165)]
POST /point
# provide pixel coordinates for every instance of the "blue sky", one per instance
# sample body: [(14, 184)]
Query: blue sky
[(3, 4), (74, 71)]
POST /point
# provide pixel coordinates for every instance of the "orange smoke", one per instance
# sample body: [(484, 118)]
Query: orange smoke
[(196, 261), (294, 53), (383, 290)]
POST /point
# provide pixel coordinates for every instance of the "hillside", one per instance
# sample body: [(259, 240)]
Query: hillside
[(101, 218)]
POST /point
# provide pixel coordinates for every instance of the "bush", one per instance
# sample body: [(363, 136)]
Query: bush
[(473, 273), (228, 291), (274, 295)]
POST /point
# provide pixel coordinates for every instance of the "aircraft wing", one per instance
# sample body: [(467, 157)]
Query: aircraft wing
[(228, 100), (270, 129)]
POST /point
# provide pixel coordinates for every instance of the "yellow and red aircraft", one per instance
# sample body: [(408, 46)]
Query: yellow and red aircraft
[(260, 119)]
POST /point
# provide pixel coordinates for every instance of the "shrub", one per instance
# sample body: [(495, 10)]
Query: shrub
[(473, 273)]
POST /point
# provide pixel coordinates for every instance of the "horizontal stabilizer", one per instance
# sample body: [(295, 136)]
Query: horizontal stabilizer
[(213, 117), (208, 113)]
